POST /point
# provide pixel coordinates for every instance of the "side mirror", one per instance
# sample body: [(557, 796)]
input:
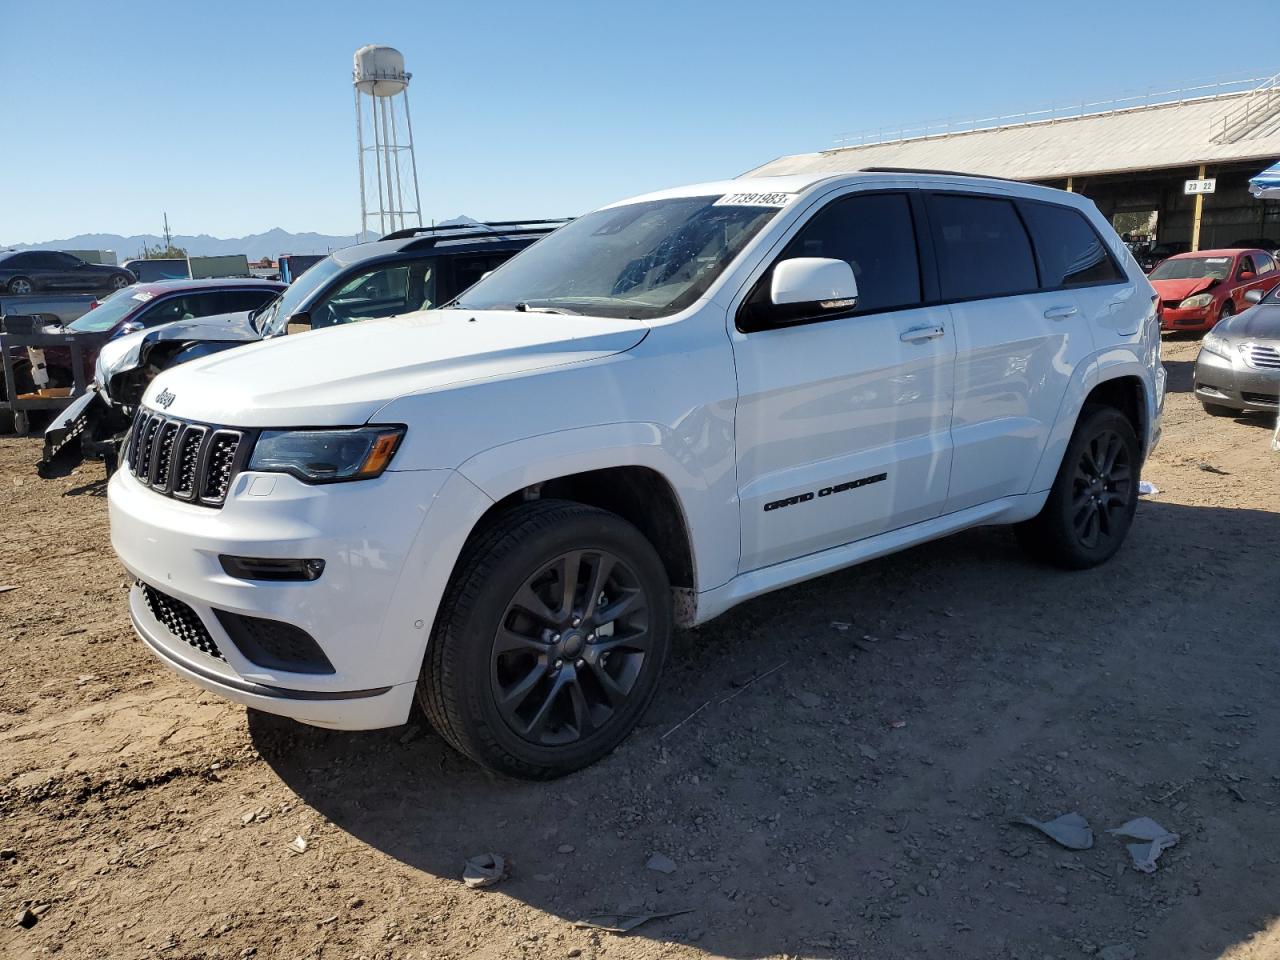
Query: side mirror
[(805, 288), (1244, 275), (1253, 296), (133, 326)]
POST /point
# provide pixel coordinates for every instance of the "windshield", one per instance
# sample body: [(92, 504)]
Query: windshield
[(274, 317), (111, 310), (1193, 268), (640, 260)]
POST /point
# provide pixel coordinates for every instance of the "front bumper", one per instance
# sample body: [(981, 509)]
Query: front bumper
[(1233, 383), (1188, 320), (370, 611)]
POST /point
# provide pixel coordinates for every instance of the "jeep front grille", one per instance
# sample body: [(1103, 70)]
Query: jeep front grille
[(187, 461)]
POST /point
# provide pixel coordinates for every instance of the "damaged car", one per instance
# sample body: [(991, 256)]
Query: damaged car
[(413, 269), (1196, 290)]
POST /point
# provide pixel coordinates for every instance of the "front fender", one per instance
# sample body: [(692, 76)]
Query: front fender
[(710, 511)]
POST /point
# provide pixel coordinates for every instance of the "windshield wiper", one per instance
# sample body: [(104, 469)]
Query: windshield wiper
[(526, 306)]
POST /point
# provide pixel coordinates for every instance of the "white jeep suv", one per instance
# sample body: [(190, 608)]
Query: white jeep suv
[(666, 407)]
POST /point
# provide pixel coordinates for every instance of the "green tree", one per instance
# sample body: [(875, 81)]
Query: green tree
[(158, 252), (1142, 222)]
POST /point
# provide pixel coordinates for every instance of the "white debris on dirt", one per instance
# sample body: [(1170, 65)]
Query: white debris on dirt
[(484, 870), (1157, 840), (1069, 830)]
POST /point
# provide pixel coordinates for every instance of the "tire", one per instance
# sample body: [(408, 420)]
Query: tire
[(1218, 410), (119, 281), (1093, 498), (547, 669), (1228, 310), (21, 286)]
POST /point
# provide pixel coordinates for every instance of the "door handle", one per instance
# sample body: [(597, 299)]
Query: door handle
[(1060, 313), (921, 334)]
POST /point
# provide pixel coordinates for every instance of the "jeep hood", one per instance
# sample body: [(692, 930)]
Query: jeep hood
[(343, 375), (1181, 289), (129, 351)]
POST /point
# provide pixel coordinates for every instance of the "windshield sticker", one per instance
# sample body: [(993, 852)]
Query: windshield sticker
[(1217, 259), (754, 200), (143, 296)]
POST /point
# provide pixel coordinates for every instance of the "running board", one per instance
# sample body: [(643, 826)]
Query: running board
[(746, 586)]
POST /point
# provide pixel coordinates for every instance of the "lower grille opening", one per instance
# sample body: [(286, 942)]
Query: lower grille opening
[(1265, 399), (274, 645), (180, 620)]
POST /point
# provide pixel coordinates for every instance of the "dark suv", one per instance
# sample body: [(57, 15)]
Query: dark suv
[(28, 271), (406, 271)]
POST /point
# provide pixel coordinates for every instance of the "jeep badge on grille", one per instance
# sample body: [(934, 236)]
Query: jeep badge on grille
[(165, 398)]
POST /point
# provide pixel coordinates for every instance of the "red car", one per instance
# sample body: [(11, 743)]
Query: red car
[(1197, 290), (146, 305)]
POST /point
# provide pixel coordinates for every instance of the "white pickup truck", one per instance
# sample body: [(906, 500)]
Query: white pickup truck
[(673, 404)]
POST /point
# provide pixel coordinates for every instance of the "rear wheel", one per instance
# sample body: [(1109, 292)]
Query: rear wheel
[(1091, 504), (20, 286), (550, 640)]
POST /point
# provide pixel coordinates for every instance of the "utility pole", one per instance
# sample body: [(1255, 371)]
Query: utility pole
[(168, 238)]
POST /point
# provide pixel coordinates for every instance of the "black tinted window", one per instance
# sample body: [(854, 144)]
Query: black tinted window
[(874, 234), (1070, 250), (238, 301), (983, 250)]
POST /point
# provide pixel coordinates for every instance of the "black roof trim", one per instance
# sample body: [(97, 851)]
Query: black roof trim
[(543, 225), (423, 243), (941, 173)]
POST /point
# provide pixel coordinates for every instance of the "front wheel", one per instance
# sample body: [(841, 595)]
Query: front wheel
[(1228, 310), (550, 640), (1093, 499), (119, 281)]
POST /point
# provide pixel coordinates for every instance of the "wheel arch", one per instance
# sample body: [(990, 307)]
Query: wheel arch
[(627, 469), (1119, 383)]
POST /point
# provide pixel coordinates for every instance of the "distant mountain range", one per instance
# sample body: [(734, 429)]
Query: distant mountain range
[(271, 244)]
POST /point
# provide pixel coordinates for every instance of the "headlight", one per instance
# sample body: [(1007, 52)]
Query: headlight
[(1199, 301), (326, 456), (1219, 346)]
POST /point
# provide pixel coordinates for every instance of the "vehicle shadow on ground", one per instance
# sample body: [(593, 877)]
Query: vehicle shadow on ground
[(1181, 375), (857, 801)]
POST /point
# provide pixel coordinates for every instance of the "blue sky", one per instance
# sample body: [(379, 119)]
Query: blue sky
[(238, 117)]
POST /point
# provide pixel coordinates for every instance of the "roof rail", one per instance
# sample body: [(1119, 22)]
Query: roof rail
[(415, 231), (423, 243), (941, 173)]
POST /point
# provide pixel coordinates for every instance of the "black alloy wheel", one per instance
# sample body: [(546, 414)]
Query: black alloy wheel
[(1102, 489), (569, 647), (1091, 505), (549, 641)]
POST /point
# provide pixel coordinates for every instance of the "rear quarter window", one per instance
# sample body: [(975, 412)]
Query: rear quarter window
[(1071, 252)]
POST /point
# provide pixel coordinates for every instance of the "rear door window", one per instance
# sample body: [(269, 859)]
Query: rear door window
[(982, 247), (1071, 252)]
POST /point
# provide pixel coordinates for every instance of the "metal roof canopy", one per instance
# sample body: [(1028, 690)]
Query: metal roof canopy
[(1216, 129)]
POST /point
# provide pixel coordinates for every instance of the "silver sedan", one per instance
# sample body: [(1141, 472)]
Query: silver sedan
[(1238, 368)]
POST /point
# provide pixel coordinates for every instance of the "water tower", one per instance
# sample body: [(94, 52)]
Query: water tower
[(380, 77)]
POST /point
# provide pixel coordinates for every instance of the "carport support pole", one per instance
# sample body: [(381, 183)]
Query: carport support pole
[(1195, 223), (1071, 183)]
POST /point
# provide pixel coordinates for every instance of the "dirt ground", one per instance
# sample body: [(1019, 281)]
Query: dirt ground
[(854, 801)]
